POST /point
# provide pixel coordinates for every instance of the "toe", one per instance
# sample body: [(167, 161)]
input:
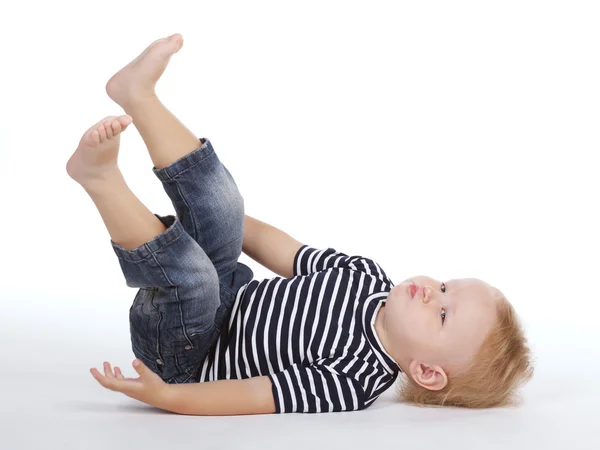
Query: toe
[(100, 127), (177, 39), (95, 137), (102, 132), (106, 120), (115, 127), (125, 120), (108, 125), (109, 129)]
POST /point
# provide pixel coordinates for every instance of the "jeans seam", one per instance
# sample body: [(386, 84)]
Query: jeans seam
[(142, 253), (160, 317), (150, 252), (189, 209), (161, 267), (190, 166), (189, 375), (185, 334), (159, 312), (236, 263)]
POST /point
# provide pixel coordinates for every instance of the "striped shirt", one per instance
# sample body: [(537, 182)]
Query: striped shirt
[(312, 334)]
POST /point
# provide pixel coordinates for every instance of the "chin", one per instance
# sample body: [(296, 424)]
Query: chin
[(399, 290), (395, 300)]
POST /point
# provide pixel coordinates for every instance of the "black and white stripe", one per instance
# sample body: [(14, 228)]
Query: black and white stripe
[(311, 334)]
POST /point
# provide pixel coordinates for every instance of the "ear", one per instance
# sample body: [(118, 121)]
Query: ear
[(430, 377)]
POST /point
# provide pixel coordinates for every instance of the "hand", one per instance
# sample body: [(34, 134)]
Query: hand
[(148, 387)]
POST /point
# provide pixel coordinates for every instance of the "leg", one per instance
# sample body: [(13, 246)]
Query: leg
[(128, 221), (177, 312), (133, 88), (166, 138), (203, 192), (94, 166)]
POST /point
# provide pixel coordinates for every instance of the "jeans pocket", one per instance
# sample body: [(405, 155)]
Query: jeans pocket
[(144, 319), (188, 376), (191, 353)]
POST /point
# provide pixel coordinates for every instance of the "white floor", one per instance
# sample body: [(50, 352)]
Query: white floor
[(50, 401)]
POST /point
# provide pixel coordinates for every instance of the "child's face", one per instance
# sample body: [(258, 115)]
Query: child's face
[(442, 324)]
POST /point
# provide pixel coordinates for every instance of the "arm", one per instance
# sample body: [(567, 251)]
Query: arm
[(213, 398), (221, 397), (270, 247)]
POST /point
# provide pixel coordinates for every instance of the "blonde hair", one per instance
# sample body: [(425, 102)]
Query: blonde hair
[(501, 365)]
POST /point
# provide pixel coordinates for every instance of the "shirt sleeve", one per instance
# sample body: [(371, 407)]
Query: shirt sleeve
[(314, 389), (309, 259)]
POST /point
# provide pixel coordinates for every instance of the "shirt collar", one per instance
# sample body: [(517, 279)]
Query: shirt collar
[(371, 307)]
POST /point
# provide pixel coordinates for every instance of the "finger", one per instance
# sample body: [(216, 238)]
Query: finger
[(119, 374), (126, 386), (147, 376), (100, 378), (108, 370), (139, 366)]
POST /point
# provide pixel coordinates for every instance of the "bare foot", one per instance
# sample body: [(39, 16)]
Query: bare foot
[(96, 157), (139, 77)]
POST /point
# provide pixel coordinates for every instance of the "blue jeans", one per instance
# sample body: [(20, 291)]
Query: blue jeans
[(188, 275)]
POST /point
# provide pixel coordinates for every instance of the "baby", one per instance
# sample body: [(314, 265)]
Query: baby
[(331, 333)]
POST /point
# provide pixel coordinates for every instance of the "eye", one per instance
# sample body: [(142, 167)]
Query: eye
[(443, 314)]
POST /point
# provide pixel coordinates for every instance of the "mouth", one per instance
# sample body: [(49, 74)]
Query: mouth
[(412, 290)]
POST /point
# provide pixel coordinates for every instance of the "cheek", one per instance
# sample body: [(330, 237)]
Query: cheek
[(402, 320), (396, 305), (454, 354), (414, 327)]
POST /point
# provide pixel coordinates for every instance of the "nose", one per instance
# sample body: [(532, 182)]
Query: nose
[(427, 293)]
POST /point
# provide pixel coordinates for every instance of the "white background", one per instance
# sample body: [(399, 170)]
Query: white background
[(452, 139)]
